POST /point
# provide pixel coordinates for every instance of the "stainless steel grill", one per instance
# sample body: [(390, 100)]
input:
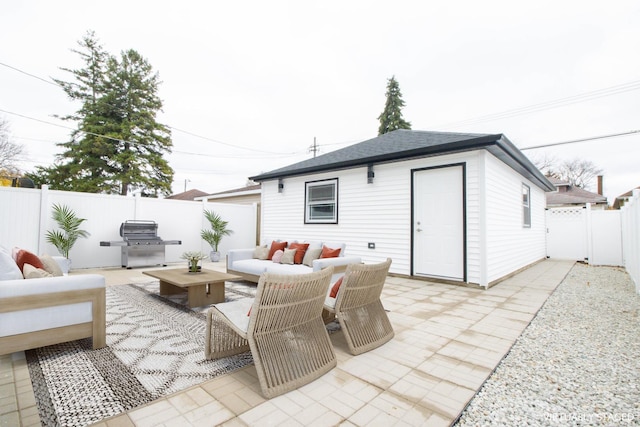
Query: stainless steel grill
[(140, 244)]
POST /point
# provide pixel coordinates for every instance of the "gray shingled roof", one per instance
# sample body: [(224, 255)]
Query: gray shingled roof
[(406, 144)]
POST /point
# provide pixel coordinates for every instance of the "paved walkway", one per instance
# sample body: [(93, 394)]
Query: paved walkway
[(448, 341)]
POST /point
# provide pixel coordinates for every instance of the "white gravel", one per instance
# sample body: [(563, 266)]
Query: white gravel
[(577, 363)]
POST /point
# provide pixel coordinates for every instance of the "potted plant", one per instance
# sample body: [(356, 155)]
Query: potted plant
[(214, 236), (193, 258), (69, 232)]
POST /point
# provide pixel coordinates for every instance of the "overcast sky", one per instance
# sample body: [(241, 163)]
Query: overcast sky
[(261, 79)]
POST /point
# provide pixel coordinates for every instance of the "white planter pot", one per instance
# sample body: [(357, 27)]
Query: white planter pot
[(215, 256)]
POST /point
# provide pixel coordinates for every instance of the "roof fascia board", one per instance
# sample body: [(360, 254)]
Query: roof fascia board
[(452, 147), (513, 157)]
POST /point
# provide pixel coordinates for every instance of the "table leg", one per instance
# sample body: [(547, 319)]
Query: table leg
[(211, 293), (169, 289)]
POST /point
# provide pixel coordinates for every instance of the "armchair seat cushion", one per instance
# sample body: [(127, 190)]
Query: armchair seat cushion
[(236, 312)]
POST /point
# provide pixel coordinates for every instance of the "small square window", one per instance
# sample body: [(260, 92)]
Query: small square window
[(321, 202)]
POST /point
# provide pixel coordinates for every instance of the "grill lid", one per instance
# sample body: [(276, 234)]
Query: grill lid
[(138, 229)]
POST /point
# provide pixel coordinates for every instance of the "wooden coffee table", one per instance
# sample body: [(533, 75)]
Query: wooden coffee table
[(204, 288)]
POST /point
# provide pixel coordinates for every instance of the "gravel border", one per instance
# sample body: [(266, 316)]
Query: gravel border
[(577, 363)]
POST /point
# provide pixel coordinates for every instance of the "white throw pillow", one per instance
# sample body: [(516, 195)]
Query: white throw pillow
[(288, 256), (261, 252), (50, 265), (8, 268), (30, 272), (310, 255)]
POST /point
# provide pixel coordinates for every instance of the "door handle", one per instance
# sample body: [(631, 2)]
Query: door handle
[(418, 229)]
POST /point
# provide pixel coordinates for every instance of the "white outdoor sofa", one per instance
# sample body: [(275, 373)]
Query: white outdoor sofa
[(242, 262), (51, 310)]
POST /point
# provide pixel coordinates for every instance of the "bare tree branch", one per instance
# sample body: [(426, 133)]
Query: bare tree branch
[(10, 152)]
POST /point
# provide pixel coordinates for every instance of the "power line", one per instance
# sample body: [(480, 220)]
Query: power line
[(542, 106), (276, 155), (29, 74), (115, 139), (224, 143), (592, 138)]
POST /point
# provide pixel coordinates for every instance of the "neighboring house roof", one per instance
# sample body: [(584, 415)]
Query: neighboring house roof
[(248, 192), (407, 144), (568, 194), (622, 199), (249, 189), (187, 195)]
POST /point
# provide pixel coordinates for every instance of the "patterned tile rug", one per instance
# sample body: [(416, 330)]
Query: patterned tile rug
[(155, 347)]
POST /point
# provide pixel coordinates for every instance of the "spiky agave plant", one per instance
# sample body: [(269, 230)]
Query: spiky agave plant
[(69, 232)]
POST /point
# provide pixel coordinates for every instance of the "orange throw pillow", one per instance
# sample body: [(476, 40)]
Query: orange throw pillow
[(301, 248), (276, 246), (329, 253), (336, 288), (26, 257)]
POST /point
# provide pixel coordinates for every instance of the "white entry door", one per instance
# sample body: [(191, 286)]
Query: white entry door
[(438, 223)]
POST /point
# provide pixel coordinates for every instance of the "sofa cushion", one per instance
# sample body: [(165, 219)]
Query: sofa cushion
[(288, 269), (25, 257), (276, 246), (23, 321), (311, 255), (51, 265), (8, 268), (301, 249), (251, 266), (328, 252), (31, 272), (288, 256)]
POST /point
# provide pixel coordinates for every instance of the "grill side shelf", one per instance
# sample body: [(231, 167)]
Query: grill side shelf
[(114, 243)]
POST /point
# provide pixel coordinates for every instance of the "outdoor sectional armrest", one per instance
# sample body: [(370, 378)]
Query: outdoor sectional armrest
[(237, 255)]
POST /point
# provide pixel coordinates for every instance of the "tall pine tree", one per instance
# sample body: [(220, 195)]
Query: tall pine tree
[(391, 118), (118, 145)]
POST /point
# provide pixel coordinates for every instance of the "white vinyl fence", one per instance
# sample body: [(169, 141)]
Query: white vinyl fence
[(25, 217), (631, 237), (584, 234)]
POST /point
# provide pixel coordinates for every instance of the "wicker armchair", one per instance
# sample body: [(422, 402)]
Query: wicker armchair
[(358, 308), (282, 327)]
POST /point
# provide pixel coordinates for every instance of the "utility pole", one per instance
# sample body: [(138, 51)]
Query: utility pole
[(314, 148)]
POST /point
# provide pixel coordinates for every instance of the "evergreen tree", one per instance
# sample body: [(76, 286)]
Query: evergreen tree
[(119, 145), (391, 118)]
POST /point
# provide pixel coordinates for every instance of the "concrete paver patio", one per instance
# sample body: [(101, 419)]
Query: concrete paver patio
[(448, 340)]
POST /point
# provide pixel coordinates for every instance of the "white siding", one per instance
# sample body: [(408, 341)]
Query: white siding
[(379, 212), (497, 244), (509, 245)]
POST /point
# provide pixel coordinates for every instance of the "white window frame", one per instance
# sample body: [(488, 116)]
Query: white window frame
[(309, 203), (526, 206)]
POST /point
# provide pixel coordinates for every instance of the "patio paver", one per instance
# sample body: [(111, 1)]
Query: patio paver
[(448, 341)]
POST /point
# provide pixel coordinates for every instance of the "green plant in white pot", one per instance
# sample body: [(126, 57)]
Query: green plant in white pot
[(69, 229), (194, 259), (215, 234)]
